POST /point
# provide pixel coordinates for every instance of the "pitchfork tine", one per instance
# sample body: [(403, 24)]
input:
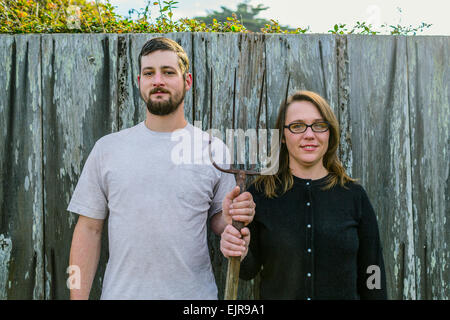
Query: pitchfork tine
[(258, 117), (240, 175), (232, 168)]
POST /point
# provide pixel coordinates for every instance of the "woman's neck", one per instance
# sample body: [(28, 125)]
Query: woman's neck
[(314, 172)]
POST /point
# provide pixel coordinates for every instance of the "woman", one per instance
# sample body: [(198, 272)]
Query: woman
[(315, 233)]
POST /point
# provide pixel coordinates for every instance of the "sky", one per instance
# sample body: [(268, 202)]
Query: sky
[(322, 15)]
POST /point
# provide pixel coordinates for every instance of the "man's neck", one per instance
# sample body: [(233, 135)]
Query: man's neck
[(167, 123)]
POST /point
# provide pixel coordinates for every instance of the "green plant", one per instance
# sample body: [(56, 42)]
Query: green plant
[(84, 16), (339, 29), (408, 30)]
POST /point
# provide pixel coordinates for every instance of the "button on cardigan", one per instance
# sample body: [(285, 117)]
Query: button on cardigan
[(311, 243)]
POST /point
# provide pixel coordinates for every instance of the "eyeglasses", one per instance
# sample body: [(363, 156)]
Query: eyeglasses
[(300, 127)]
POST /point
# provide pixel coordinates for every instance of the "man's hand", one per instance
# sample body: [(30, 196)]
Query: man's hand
[(238, 207), (233, 243)]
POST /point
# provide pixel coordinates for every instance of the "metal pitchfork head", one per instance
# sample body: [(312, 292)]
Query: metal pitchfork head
[(241, 177)]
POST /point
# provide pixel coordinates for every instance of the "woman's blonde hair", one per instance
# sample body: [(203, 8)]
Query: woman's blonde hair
[(277, 184)]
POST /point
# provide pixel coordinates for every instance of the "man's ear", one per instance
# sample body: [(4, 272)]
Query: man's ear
[(188, 81), (139, 78)]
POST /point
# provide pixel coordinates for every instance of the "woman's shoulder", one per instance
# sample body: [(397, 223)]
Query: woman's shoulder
[(356, 189), (256, 191), (354, 186)]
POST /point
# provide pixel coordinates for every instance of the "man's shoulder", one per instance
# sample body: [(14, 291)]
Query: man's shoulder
[(123, 135)]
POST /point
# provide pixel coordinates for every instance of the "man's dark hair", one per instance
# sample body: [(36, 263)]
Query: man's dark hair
[(162, 43)]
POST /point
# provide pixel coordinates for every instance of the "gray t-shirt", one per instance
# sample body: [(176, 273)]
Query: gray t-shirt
[(159, 189)]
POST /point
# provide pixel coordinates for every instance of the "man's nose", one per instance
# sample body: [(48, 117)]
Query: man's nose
[(158, 80)]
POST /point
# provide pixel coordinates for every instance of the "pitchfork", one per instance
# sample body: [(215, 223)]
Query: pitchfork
[(232, 280)]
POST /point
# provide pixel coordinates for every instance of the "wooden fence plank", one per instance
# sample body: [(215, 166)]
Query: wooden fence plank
[(381, 149), (60, 93), (21, 215), (7, 91), (80, 106), (250, 98), (429, 96), (217, 53)]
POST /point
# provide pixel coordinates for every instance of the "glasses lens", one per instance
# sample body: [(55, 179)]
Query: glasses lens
[(320, 126), (297, 127)]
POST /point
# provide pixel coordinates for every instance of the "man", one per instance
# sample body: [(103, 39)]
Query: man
[(158, 199)]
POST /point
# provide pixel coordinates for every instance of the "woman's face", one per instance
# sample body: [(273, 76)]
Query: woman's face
[(306, 149)]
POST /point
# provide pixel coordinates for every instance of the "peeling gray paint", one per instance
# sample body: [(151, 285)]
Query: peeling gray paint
[(5, 255), (390, 93)]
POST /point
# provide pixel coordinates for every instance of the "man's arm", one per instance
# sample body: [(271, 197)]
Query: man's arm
[(218, 224), (85, 253), (239, 207)]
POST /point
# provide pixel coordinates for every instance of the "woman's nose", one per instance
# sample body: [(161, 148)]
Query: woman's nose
[(308, 133)]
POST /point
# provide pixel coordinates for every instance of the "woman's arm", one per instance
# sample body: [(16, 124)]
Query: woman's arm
[(371, 271)]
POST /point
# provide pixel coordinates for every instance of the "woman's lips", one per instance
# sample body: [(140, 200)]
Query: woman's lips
[(309, 147)]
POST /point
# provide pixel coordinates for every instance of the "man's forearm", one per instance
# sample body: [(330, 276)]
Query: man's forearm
[(218, 224), (84, 256)]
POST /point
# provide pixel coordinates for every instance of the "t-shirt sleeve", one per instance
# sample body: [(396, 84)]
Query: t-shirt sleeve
[(226, 181), (89, 197), (371, 271), (225, 184)]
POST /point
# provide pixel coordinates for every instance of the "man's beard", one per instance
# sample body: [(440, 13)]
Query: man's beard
[(163, 108)]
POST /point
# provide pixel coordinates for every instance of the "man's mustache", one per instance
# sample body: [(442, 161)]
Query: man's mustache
[(156, 90)]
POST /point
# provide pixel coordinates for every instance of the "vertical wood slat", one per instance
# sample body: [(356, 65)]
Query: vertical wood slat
[(216, 53), (7, 92), (249, 96), (381, 147), (21, 215), (394, 117), (80, 106), (429, 96)]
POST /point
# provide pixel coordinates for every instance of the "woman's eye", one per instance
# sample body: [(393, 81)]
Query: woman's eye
[(297, 125)]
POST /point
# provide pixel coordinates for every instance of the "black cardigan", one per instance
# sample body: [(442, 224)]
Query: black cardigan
[(316, 244)]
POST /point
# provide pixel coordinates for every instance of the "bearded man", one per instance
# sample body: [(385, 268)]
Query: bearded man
[(157, 207)]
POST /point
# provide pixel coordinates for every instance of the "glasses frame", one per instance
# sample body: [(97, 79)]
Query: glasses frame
[(307, 126)]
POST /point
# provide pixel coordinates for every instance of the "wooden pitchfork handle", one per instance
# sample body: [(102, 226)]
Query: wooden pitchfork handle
[(234, 263)]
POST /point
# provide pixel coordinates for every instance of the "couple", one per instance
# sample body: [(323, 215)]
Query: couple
[(314, 233)]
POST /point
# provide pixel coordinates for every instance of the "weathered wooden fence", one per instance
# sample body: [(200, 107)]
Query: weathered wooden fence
[(59, 93)]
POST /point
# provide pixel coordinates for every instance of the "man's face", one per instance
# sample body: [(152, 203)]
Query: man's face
[(161, 82)]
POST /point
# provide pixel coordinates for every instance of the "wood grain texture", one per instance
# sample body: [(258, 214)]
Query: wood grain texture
[(59, 93), (79, 107), (21, 217), (428, 100), (378, 102)]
